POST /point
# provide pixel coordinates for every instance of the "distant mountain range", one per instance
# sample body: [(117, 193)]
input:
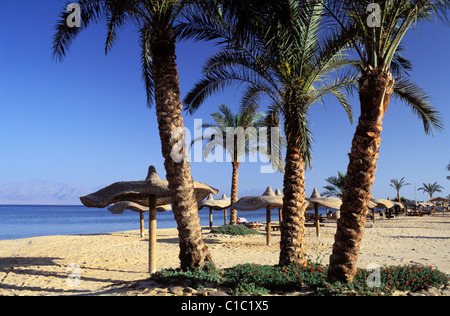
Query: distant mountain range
[(41, 192)]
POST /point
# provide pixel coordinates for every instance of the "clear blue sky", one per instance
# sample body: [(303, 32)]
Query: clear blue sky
[(85, 121)]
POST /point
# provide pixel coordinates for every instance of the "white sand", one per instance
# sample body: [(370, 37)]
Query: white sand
[(39, 266)]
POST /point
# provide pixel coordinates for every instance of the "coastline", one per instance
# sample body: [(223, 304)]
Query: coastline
[(46, 265)]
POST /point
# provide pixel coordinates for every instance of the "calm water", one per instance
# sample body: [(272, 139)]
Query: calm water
[(24, 221)]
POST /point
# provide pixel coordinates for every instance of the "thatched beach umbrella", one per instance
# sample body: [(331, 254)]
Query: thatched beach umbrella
[(120, 207), (151, 192), (443, 202), (268, 201), (439, 199), (427, 205), (382, 203), (316, 200), (217, 205)]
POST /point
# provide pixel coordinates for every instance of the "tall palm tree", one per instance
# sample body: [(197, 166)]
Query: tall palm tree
[(154, 21), (431, 188), (448, 169), (336, 185), (397, 185), (279, 55), (377, 49), (249, 119)]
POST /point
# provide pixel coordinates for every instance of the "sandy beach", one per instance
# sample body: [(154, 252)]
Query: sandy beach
[(50, 265)]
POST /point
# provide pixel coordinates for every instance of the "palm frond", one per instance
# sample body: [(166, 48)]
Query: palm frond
[(221, 74), (116, 16), (347, 82), (92, 11), (419, 102), (146, 64)]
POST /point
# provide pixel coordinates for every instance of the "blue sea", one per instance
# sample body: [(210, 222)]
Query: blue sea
[(25, 221)]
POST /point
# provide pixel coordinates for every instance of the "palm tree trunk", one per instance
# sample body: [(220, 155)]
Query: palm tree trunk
[(234, 192), (193, 250), (375, 90), (292, 242)]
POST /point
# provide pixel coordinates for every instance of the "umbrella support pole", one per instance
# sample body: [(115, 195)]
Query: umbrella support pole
[(317, 221), (268, 227), (280, 215), (210, 218), (141, 220), (152, 235)]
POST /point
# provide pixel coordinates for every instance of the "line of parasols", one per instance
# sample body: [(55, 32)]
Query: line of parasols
[(153, 195)]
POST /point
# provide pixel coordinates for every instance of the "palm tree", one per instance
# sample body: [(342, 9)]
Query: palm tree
[(397, 185), (249, 119), (279, 55), (336, 185), (431, 188), (448, 169), (378, 51), (154, 21)]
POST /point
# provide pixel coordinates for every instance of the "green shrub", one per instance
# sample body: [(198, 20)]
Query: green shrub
[(234, 230), (193, 278), (247, 289), (253, 279)]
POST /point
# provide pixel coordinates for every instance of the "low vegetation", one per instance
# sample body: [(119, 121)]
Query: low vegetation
[(253, 279), (235, 230)]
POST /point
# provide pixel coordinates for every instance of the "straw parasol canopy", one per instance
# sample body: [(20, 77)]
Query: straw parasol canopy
[(425, 204), (382, 203), (120, 207), (372, 204), (253, 203), (267, 200), (139, 192), (398, 204), (328, 202), (217, 205), (443, 202), (316, 200), (438, 199), (151, 192)]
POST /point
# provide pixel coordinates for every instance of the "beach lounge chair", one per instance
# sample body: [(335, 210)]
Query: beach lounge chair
[(253, 225), (241, 220)]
